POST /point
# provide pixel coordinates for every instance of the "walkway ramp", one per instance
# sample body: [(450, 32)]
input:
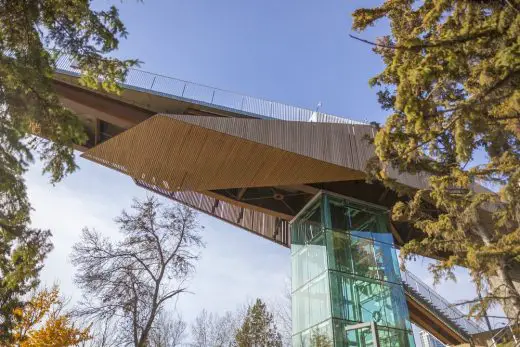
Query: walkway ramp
[(435, 314), (146, 94)]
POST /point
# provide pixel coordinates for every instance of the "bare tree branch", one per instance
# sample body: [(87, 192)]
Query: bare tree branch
[(132, 279)]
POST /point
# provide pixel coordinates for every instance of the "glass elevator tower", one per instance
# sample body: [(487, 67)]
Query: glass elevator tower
[(346, 283)]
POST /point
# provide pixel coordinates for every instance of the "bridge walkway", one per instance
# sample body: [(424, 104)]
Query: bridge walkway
[(427, 308)]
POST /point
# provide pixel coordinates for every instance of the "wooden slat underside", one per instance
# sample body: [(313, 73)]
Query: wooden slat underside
[(183, 156), (178, 155), (345, 145), (270, 227)]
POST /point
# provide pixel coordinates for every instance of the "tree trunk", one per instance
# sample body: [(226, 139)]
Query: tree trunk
[(504, 283), (507, 284)]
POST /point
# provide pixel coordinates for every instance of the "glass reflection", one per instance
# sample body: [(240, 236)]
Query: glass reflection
[(345, 272)]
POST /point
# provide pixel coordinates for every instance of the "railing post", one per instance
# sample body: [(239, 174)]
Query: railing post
[(212, 96), (375, 338), (184, 89), (153, 82), (513, 333)]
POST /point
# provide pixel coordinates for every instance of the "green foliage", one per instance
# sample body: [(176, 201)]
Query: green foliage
[(452, 81), (31, 34), (21, 258), (258, 328)]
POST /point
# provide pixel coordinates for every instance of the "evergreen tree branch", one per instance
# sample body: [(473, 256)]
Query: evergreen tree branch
[(513, 6), (434, 44)]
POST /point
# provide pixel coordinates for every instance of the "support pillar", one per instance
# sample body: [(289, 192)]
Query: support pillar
[(346, 284)]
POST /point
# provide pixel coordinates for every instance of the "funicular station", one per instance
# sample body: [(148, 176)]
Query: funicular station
[(291, 175)]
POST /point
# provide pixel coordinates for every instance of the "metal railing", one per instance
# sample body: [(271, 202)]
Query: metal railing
[(505, 335), (456, 316), (212, 97), (177, 89)]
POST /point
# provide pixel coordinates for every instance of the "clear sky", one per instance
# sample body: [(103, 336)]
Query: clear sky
[(293, 51)]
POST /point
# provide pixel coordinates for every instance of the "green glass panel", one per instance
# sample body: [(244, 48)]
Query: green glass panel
[(389, 337), (341, 255), (343, 299), (339, 216), (369, 294), (351, 338), (387, 267), (300, 309), (349, 215), (317, 256), (345, 272), (321, 335), (301, 340), (411, 340), (319, 300), (363, 257), (299, 268)]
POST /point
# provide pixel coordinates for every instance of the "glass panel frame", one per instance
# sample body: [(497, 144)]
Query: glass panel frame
[(342, 251)]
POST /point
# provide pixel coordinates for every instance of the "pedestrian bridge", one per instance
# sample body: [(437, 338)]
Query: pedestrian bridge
[(428, 309), (250, 162)]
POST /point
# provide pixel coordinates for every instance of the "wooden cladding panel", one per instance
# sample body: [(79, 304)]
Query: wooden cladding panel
[(178, 155), (345, 145), (337, 143)]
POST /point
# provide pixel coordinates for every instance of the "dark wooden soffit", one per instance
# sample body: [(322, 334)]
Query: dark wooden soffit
[(128, 113), (179, 155), (250, 218)]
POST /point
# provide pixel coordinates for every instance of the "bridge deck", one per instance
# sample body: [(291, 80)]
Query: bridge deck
[(427, 308)]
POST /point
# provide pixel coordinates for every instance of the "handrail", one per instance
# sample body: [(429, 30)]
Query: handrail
[(259, 108), (507, 329), (441, 304), (209, 96)]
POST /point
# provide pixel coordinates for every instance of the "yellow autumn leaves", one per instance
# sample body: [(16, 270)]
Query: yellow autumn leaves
[(43, 322)]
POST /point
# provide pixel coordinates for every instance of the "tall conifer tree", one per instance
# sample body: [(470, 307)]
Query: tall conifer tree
[(32, 33), (452, 83), (258, 328)]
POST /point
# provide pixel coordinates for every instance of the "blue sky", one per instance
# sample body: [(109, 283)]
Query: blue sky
[(297, 52), (293, 51)]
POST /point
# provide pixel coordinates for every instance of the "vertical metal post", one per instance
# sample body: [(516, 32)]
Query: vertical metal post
[(513, 333), (373, 328), (212, 96), (153, 82), (325, 212), (184, 89), (242, 105)]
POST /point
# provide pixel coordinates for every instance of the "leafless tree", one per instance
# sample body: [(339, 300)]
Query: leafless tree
[(282, 311), (167, 331), (105, 334), (129, 281), (212, 330)]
